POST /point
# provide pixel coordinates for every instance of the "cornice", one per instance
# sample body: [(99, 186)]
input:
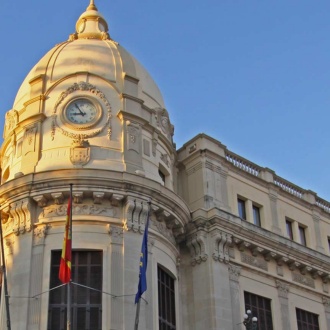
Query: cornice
[(262, 241), (122, 183)]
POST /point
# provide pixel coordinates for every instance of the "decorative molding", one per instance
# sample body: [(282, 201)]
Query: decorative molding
[(283, 289), (296, 277), (116, 233), (58, 198), (77, 197), (163, 230), (81, 209), (41, 200), (133, 136), (40, 233), (80, 156), (222, 241), (253, 261), (163, 122), (234, 272), (21, 213), (198, 248), (91, 89), (98, 197)]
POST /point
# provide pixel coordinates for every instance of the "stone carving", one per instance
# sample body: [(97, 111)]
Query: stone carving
[(303, 280), (58, 198), (154, 143), (41, 200), (29, 139), (283, 288), (197, 246), (98, 197), (163, 230), (164, 159), (133, 137), (88, 88), (10, 122), (9, 245), (77, 197), (79, 156), (326, 303), (234, 272), (21, 214), (222, 242), (163, 122), (253, 261), (39, 234), (81, 209), (116, 234)]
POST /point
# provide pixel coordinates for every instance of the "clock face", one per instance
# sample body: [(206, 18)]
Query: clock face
[(82, 112)]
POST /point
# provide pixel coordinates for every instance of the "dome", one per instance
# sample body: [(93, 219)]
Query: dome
[(91, 49), (127, 128)]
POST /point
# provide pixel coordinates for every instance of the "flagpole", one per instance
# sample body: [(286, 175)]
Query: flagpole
[(69, 283), (4, 272), (137, 315), (143, 259)]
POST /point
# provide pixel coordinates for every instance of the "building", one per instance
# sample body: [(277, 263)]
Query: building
[(225, 234)]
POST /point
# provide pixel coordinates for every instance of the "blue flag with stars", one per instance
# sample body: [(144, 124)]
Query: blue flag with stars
[(143, 264)]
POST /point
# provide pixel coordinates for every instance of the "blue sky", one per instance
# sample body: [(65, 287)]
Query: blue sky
[(252, 74)]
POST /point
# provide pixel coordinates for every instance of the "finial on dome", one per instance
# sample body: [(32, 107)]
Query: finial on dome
[(91, 5), (91, 25)]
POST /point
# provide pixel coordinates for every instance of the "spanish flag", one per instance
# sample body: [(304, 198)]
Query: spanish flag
[(65, 266)]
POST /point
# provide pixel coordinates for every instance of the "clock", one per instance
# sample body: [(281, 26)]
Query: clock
[(82, 112)]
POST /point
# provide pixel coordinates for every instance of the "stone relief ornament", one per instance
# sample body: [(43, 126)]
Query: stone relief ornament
[(92, 92), (198, 247), (29, 139), (133, 137), (81, 209), (163, 122), (10, 122)]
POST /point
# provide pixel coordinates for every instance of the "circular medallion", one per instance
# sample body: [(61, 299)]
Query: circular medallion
[(82, 112)]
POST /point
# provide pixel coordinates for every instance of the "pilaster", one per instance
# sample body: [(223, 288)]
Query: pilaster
[(283, 291)]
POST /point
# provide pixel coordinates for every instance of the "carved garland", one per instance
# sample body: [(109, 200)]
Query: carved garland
[(82, 86)]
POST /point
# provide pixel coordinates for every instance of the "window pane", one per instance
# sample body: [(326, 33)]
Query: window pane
[(241, 208), (256, 215), (307, 320), (166, 300), (289, 229)]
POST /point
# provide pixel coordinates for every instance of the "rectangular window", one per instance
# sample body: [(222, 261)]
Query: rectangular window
[(256, 215), (289, 231), (307, 320), (302, 235), (86, 311), (241, 208), (260, 308), (329, 243), (166, 301)]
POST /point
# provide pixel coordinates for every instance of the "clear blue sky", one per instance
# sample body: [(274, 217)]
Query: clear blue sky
[(252, 74)]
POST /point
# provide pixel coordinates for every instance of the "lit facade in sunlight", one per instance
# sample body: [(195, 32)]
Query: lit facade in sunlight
[(225, 235)]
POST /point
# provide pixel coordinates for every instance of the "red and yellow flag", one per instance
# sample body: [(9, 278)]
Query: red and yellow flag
[(65, 266)]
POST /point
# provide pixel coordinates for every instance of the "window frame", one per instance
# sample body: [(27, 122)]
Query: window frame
[(302, 235), (256, 215), (86, 304), (306, 319), (166, 299), (241, 208), (289, 228), (261, 307)]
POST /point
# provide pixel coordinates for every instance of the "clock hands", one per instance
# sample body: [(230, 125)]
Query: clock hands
[(80, 112)]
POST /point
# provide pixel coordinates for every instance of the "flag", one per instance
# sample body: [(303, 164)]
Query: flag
[(65, 265), (143, 264)]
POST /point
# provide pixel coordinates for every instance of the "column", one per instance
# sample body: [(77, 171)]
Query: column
[(234, 273), (283, 290)]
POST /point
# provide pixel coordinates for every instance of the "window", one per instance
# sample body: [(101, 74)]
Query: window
[(307, 320), (241, 208), (166, 301), (86, 304), (261, 308), (289, 231), (256, 215), (302, 235), (162, 176), (329, 243)]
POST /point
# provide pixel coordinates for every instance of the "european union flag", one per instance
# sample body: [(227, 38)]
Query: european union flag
[(143, 264)]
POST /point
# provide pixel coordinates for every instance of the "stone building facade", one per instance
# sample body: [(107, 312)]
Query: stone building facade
[(225, 235)]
